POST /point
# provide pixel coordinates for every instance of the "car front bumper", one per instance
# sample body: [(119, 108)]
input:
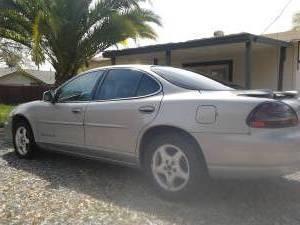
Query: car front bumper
[(261, 153)]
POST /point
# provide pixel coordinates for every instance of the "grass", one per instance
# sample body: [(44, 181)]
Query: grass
[(4, 111)]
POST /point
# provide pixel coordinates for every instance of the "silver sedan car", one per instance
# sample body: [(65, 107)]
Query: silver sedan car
[(178, 126)]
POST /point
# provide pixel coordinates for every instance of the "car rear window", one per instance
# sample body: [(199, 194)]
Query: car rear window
[(188, 80), (147, 86)]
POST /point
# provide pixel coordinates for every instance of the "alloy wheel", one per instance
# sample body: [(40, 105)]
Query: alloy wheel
[(170, 167), (22, 140)]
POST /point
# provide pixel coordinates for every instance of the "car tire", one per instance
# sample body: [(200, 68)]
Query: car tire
[(175, 165), (23, 140)]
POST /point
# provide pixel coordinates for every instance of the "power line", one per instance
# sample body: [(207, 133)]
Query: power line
[(278, 16)]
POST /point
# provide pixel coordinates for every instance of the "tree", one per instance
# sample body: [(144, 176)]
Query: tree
[(11, 54), (68, 33), (296, 21)]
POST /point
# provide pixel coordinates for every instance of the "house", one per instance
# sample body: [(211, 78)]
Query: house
[(26, 77), (252, 61)]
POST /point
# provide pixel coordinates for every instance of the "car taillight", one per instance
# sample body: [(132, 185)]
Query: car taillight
[(272, 115)]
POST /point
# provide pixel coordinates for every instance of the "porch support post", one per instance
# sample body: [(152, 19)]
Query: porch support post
[(248, 64), (113, 60), (282, 57), (168, 57)]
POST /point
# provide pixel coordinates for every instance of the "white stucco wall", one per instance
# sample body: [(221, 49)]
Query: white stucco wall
[(291, 73), (265, 67), (179, 57)]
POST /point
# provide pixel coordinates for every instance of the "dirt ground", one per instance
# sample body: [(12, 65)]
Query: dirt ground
[(58, 189)]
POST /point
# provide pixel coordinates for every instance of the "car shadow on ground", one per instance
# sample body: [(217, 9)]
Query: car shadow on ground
[(226, 201)]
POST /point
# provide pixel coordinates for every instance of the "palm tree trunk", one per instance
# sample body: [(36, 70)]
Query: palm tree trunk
[(64, 74), (61, 78)]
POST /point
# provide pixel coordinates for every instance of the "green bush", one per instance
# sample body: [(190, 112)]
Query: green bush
[(4, 111)]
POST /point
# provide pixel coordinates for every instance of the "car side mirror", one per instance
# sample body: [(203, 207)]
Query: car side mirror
[(49, 96)]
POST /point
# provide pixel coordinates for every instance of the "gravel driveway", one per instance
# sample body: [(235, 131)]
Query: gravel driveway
[(57, 189)]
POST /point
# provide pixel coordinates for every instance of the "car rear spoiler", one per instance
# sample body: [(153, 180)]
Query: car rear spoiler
[(286, 94), (270, 94)]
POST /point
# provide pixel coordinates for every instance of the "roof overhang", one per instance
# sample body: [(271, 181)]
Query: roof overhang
[(23, 72), (228, 39)]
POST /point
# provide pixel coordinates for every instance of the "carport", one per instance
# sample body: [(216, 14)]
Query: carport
[(252, 61)]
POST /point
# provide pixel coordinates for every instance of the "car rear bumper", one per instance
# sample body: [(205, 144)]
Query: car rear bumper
[(261, 153)]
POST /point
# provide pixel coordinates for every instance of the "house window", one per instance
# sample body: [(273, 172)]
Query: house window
[(217, 70)]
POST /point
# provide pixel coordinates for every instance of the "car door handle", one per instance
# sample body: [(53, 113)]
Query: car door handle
[(147, 109), (76, 110)]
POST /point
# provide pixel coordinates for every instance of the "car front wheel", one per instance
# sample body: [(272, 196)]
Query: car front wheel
[(23, 140)]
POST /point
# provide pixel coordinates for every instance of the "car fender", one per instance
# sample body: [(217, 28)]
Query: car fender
[(29, 112)]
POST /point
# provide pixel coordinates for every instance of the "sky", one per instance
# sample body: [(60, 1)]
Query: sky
[(193, 19)]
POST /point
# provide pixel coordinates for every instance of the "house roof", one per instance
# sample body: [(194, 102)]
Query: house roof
[(291, 35), (46, 77), (227, 39)]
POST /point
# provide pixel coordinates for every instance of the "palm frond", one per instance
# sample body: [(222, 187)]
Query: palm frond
[(296, 21), (70, 32)]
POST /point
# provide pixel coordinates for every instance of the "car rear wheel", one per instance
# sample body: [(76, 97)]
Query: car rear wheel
[(23, 140), (175, 165)]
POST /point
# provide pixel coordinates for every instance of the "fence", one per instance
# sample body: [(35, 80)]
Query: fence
[(21, 94)]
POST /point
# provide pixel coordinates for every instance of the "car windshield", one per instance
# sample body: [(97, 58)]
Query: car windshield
[(189, 80)]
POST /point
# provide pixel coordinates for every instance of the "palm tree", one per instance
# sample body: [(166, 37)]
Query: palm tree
[(68, 33), (296, 21), (12, 54)]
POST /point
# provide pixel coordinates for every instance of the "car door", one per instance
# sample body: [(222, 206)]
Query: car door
[(125, 102), (61, 123)]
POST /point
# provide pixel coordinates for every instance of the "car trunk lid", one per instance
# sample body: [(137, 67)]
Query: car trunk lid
[(292, 98)]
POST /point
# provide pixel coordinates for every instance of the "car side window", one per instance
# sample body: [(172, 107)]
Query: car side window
[(119, 83), (81, 88), (147, 86)]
